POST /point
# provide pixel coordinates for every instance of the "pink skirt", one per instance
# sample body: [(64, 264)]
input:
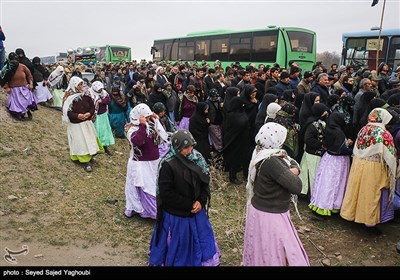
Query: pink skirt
[(270, 239)]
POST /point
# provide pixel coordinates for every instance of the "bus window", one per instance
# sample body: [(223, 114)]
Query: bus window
[(158, 51), (240, 47), (394, 53), (174, 51), (202, 50), (186, 50), (362, 51), (264, 47), (167, 51), (220, 49), (301, 41)]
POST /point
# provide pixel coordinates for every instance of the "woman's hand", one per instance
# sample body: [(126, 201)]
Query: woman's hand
[(295, 171), (196, 207), (349, 142), (142, 119), (82, 117)]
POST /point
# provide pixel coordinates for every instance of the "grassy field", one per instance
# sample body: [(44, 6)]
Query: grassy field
[(52, 205)]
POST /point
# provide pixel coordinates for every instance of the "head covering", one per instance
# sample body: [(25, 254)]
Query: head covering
[(12, 56), (262, 110), (73, 83), (56, 76), (272, 109), (373, 139), (97, 90), (98, 87), (20, 52), (70, 94), (394, 99), (229, 94), (159, 107), (318, 109), (271, 136), (269, 142), (153, 127), (158, 69), (182, 139), (213, 93), (307, 74), (9, 69), (140, 110), (36, 60)]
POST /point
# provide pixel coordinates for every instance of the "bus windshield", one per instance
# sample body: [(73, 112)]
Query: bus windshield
[(360, 49)]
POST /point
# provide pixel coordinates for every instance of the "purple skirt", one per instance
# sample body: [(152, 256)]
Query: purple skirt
[(20, 100), (387, 208), (149, 204), (330, 184), (270, 239), (184, 124)]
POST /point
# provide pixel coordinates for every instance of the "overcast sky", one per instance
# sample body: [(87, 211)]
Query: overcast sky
[(44, 28)]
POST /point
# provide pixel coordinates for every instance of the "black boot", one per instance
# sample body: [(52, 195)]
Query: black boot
[(232, 178), (29, 115), (108, 152)]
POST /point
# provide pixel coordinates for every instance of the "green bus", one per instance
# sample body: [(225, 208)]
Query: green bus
[(111, 53), (282, 45)]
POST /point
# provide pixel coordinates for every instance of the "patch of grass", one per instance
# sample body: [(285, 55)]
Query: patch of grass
[(57, 242)]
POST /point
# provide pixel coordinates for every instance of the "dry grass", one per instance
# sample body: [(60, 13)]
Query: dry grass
[(59, 205)]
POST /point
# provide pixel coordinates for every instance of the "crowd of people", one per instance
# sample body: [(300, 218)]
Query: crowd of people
[(330, 136)]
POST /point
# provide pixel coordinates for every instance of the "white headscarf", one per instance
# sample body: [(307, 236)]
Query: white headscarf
[(272, 109), (158, 69), (56, 76), (94, 90), (269, 142), (140, 110), (143, 110), (73, 83)]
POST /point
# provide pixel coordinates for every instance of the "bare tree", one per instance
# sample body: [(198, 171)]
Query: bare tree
[(328, 58)]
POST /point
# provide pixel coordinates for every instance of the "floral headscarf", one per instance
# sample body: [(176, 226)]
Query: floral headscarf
[(373, 139)]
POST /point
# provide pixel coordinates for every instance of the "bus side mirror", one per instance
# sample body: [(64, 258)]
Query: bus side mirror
[(344, 52), (153, 50)]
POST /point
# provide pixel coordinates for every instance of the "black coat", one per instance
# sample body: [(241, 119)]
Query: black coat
[(198, 126), (178, 187)]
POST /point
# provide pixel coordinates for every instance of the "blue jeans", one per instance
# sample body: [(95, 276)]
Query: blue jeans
[(2, 58)]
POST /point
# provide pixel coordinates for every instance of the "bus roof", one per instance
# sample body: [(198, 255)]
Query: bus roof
[(372, 33), (224, 32)]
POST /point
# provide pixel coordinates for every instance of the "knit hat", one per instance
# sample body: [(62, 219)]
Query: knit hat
[(182, 139), (307, 74), (159, 107)]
